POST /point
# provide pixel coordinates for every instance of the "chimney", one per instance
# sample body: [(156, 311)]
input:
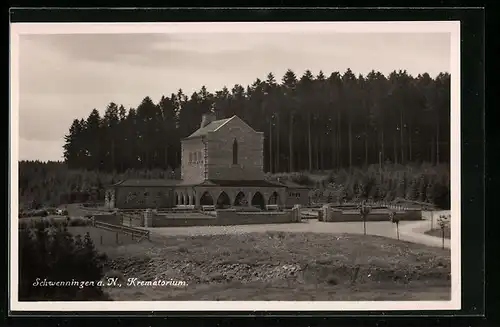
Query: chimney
[(207, 119)]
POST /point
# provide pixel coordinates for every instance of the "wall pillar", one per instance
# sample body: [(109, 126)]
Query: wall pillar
[(148, 217), (326, 212), (282, 197), (215, 195), (232, 196), (296, 212), (249, 198), (197, 199)]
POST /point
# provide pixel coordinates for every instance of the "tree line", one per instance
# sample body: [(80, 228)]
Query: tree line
[(311, 122)]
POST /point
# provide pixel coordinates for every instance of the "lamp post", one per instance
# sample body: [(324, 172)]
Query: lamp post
[(364, 210), (443, 221)]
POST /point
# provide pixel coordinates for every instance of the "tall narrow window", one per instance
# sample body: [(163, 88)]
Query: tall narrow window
[(235, 152)]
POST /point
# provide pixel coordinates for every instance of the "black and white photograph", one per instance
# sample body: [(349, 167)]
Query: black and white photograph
[(235, 166)]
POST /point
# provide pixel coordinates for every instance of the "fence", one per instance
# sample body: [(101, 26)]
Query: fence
[(131, 220), (208, 208), (134, 232)]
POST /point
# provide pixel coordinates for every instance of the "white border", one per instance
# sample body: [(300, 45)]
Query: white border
[(452, 27)]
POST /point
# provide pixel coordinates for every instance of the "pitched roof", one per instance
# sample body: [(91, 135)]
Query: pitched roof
[(242, 183), (212, 127), (158, 182), (290, 184)]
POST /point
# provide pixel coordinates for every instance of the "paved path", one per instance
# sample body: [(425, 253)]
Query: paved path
[(414, 232), (410, 231)]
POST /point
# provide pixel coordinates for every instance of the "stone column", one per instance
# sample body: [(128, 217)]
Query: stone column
[(197, 199), (249, 199)]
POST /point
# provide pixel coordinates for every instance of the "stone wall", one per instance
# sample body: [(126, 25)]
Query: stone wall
[(131, 197), (296, 196), (227, 218), (250, 164), (193, 172)]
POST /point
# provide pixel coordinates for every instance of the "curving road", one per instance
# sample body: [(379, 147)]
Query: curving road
[(411, 231)]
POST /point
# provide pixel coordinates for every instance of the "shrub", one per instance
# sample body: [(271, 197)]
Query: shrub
[(332, 280), (52, 254), (79, 221)]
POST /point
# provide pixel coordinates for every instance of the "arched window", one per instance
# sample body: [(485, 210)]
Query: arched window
[(235, 152)]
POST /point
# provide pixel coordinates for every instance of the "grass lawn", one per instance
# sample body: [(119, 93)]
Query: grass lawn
[(279, 266), (438, 233)]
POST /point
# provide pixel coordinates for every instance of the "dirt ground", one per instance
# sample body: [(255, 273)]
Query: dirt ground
[(277, 266), (377, 228)]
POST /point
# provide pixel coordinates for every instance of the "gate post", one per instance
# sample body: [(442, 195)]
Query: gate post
[(296, 212), (326, 212), (148, 215)]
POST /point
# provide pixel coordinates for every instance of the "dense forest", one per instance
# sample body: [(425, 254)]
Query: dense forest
[(365, 136), (309, 123)]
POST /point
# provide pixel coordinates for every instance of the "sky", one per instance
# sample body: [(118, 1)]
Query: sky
[(64, 76)]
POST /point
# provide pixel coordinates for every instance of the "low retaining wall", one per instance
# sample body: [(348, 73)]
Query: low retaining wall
[(110, 219), (163, 221), (336, 215), (228, 218)]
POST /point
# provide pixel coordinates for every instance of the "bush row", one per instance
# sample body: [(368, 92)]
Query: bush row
[(42, 212), (42, 222)]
